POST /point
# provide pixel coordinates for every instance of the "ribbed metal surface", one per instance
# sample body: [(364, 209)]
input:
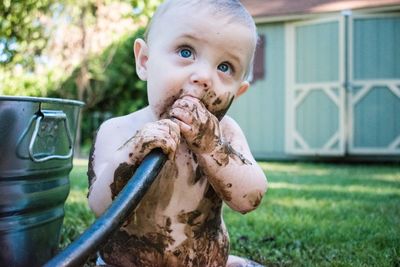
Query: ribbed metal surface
[(34, 169)]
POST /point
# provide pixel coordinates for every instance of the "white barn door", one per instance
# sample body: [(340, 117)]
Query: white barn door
[(374, 91), (315, 119)]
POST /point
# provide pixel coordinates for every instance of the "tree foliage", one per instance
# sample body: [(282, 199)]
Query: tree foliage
[(22, 34), (113, 79), (145, 7), (115, 86), (24, 24), (75, 51)]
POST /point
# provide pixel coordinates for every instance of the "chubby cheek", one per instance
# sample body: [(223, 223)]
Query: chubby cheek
[(161, 97), (218, 104)]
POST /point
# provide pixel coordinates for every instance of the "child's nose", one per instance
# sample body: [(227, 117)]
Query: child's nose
[(202, 78)]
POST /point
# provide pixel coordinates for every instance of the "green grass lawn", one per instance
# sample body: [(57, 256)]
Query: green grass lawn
[(312, 215)]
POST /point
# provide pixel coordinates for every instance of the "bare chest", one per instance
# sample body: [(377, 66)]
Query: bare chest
[(180, 189), (177, 223)]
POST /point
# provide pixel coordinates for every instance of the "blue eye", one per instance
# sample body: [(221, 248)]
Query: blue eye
[(224, 67), (185, 53)]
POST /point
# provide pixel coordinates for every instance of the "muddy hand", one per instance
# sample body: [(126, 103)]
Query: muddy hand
[(198, 126), (164, 134)]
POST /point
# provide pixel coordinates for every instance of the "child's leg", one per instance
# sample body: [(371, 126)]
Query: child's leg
[(235, 261)]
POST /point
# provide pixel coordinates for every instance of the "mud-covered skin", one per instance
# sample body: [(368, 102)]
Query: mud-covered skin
[(217, 105), (121, 176), (178, 222), (207, 242), (223, 190), (197, 65), (90, 173), (254, 197), (224, 152), (164, 134), (199, 127), (162, 231), (150, 240)]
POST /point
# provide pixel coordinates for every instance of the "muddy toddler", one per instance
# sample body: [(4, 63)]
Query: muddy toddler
[(196, 58)]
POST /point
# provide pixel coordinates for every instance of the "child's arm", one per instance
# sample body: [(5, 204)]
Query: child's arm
[(236, 173), (118, 150), (223, 153)]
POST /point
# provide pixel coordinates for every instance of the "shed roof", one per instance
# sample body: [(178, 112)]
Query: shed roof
[(272, 8)]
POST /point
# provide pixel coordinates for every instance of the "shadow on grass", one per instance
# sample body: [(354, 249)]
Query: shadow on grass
[(334, 195), (339, 181)]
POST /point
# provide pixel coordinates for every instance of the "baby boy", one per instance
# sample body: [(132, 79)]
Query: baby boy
[(196, 58)]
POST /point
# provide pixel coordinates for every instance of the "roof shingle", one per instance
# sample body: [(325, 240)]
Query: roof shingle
[(271, 8)]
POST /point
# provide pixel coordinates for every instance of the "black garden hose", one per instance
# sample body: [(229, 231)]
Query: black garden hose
[(112, 219)]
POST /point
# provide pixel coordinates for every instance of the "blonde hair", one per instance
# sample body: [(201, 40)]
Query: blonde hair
[(230, 8)]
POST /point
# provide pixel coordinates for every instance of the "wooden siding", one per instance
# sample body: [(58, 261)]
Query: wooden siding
[(261, 111), (317, 54), (317, 57), (317, 119), (372, 120), (376, 48), (377, 119), (376, 63)]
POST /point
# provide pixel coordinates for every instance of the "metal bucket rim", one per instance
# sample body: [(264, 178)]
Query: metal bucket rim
[(42, 100)]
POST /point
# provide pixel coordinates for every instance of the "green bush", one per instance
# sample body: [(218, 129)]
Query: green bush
[(114, 86), (27, 84)]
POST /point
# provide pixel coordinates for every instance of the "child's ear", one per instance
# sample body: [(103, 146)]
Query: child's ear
[(243, 88), (140, 49)]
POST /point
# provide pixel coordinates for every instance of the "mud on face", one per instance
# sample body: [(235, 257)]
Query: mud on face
[(217, 105)]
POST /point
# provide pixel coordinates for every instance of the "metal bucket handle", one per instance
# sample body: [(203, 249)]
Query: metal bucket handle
[(54, 115)]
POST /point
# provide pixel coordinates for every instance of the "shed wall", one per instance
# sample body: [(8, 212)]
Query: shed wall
[(376, 64), (372, 100), (261, 111)]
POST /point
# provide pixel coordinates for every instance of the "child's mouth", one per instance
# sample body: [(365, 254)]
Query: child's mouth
[(217, 105)]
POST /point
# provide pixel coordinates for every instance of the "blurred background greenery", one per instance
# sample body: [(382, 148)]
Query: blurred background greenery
[(75, 49)]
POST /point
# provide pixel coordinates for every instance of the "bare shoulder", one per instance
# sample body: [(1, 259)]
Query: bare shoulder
[(230, 128), (114, 132)]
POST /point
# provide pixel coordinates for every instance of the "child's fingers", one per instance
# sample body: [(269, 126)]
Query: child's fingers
[(174, 131), (185, 128), (168, 137), (170, 148), (164, 134), (189, 110), (173, 136), (167, 144), (190, 104), (182, 115)]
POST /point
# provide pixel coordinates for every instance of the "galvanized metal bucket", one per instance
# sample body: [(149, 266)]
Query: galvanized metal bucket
[(36, 148)]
